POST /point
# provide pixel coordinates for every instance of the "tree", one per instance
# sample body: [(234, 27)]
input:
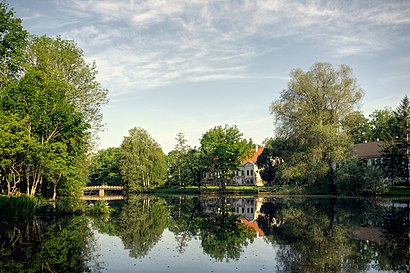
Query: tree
[(357, 126), (396, 149), (63, 59), (402, 115), (58, 100), (309, 115), (13, 40), (222, 150), (270, 161), (105, 168), (142, 161), (179, 172), (381, 124), (185, 166)]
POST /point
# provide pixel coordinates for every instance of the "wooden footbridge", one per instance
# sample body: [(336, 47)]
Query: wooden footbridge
[(101, 192)]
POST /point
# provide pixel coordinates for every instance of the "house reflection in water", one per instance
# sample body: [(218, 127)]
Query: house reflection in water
[(248, 210)]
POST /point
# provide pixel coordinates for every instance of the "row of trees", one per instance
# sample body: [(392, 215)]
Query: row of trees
[(139, 162), (318, 120), (49, 111)]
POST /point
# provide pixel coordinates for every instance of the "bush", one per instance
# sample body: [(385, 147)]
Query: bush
[(357, 178)]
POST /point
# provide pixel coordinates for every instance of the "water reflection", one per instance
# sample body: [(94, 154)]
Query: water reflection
[(303, 234)]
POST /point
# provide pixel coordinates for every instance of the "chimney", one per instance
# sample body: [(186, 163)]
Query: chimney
[(256, 148)]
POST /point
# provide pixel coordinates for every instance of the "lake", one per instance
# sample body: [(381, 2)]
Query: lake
[(216, 234)]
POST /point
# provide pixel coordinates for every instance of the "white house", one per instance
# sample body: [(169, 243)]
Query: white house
[(248, 171)]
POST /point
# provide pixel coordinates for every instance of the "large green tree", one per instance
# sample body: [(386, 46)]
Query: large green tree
[(104, 167), (50, 97), (222, 150), (13, 40), (142, 161), (309, 114)]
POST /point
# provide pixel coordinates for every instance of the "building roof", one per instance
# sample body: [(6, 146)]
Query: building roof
[(257, 151), (253, 225), (368, 150)]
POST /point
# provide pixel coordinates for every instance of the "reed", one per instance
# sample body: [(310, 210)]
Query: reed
[(17, 206)]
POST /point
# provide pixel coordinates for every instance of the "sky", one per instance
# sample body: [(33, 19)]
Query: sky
[(176, 66)]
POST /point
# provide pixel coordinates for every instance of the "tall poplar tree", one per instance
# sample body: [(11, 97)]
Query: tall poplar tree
[(142, 161)]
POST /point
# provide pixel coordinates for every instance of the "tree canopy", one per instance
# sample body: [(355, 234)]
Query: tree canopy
[(309, 114), (142, 162), (50, 98), (222, 150)]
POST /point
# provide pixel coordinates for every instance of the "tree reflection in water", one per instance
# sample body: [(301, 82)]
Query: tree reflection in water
[(141, 223), (306, 234)]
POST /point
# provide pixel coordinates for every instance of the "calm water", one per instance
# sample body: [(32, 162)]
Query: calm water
[(218, 234)]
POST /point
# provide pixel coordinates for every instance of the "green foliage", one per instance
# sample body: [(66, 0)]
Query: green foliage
[(381, 123), (271, 159), (357, 178), (358, 127), (309, 114), (99, 207), (13, 41), (223, 237), (105, 169), (20, 207), (141, 224), (142, 161), (184, 164), (70, 205), (396, 155), (222, 150), (48, 111)]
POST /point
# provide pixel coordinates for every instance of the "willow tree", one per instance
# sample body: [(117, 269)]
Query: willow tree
[(310, 114), (141, 161)]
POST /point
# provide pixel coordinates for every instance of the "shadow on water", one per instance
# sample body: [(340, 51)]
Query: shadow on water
[(304, 234)]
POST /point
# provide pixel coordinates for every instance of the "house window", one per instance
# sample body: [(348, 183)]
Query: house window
[(251, 172), (247, 172), (251, 210), (243, 210), (247, 210), (243, 173)]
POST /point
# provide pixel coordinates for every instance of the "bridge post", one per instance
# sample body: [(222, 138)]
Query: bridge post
[(101, 192)]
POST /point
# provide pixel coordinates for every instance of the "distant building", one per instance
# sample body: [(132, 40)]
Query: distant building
[(370, 152), (246, 174), (248, 171)]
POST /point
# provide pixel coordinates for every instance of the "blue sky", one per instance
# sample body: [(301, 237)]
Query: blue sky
[(185, 66)]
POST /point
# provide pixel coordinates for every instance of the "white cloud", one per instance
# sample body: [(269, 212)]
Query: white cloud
[(159, 42)]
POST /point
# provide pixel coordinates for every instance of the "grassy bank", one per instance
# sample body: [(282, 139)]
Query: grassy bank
[(236, 190), (397, 191), (246, 190)]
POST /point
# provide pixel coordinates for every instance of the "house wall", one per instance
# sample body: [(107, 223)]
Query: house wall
[(247, 174)]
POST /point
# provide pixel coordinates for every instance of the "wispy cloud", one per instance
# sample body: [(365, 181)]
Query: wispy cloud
[(145, 44)]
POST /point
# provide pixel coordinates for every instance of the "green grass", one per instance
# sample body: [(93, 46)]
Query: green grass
[(229, 190), (397, 191)]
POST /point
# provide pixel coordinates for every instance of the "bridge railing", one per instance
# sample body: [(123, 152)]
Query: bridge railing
[(103, 187)]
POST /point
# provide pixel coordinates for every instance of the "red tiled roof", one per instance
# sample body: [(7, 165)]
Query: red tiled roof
[(255, 155), (253, 225)]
